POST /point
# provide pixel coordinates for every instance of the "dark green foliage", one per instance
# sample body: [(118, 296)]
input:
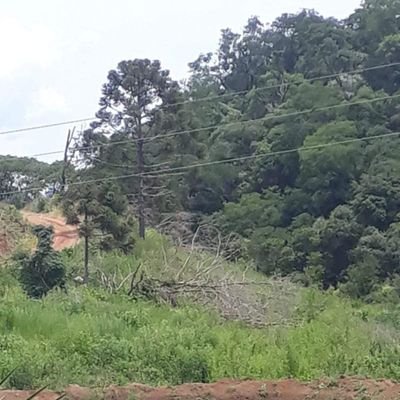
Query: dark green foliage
[(327, 211), (289, 102), (139, 89), (42, 271), (376, 200), (101, 211), (362, 278), (17, 173), (106, 208)]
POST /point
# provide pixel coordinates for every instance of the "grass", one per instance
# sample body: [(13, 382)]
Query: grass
[(90, 337), (269, 301)]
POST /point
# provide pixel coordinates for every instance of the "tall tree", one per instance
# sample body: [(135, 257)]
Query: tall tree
[(131, 107)]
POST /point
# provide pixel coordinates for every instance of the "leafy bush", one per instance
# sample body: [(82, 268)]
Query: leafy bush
[(43, 271), (40, 205)]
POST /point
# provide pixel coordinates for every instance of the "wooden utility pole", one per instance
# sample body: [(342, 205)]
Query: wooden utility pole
[(67, 159), (140, 164), (86, 237)]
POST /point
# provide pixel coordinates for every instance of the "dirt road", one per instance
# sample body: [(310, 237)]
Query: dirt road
[(343, 389), (64, 235)]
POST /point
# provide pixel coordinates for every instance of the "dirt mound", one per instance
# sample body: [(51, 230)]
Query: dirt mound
[(64, 235), (341, 389)]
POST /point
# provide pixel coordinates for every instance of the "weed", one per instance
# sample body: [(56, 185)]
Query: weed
[(263, 392)]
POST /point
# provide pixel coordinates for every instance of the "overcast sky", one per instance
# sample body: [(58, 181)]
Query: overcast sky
[(55, 54)]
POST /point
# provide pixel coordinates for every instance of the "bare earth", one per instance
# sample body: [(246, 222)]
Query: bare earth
[(64, 235), (341, 389)]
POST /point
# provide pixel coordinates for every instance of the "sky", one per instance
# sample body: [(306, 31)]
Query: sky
[(55, 54)]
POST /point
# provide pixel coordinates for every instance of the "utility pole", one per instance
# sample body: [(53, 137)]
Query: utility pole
[(140, 161), (67, 159), (140, 165), (86, 237)]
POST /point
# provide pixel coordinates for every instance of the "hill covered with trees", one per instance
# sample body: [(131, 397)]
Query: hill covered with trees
[(296, 126), (287, 136), (279, 153)]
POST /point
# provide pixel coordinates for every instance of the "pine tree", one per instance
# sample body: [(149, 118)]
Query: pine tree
[(100, 210)]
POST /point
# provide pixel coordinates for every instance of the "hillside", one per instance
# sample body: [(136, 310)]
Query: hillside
[(221, 235), (167, 273), (14, 231), (65, 235), (94, 338), (286, 136), (222, 322)]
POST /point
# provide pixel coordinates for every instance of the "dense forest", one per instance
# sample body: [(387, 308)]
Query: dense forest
[(286, 135)]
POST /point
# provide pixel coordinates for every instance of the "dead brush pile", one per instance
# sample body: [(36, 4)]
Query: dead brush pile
[(195, 273)]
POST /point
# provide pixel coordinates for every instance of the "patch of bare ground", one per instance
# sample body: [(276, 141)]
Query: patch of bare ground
[(340, 389)]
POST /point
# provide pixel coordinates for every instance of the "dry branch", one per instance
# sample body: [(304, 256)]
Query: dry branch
[(204, 277)]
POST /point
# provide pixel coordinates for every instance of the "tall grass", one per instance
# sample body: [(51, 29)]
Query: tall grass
[(89, 337)]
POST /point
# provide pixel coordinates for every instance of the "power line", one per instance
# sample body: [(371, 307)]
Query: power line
[(279, 85), (273, 153), (36, 155), (52, 125), (229, 124), (211, 98), (172, 171), (271, 117)]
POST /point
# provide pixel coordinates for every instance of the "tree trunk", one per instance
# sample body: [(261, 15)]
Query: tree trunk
[(86, 267), (140, 161)]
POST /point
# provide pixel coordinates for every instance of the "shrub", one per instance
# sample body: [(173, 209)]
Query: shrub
[(40, 205), (43, 271)]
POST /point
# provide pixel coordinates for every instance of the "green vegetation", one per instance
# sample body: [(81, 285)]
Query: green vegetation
[(314, 201), (93, 338), (103, 209), (277, 97), (99, 334), (319, 209), (20, 173), (15, 234), (42, 271)]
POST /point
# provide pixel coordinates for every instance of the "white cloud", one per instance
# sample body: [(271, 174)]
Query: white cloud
[(46, 100), (23, 47)]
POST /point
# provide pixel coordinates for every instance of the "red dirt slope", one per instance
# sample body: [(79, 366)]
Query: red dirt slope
[(341, 389), (64, 235)]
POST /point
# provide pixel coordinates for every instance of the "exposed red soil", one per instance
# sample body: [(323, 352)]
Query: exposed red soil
[(64, 235), (341, 389)]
